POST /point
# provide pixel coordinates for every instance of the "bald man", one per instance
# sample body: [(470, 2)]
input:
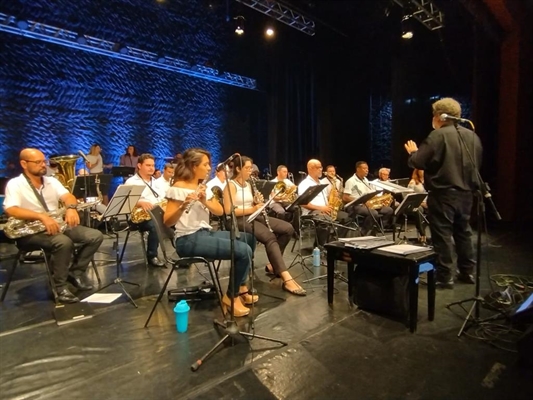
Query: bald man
[(30, 196)]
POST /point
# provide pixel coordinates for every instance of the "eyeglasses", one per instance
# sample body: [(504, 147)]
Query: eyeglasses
[(38, 162)]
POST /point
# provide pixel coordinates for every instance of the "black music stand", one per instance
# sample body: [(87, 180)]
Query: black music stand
[(411, 202), (363, 200), (305, 198), (123, 201), (123, 172), (89, 185), (265, 187)]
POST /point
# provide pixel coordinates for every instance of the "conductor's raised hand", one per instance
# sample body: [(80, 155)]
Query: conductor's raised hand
[(410, 147)]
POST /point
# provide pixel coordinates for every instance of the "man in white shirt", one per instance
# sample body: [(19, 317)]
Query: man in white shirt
[(357, 186), (150, 197), (278, 206), (31, 196), (219, 180), (384, 174), (330, 177), (163, 182)]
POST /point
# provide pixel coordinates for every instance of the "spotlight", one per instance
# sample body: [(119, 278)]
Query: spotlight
[(239, 24), (269, 32), (407, 30)]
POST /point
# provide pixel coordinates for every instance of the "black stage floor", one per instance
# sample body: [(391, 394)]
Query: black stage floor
[(333, 352)]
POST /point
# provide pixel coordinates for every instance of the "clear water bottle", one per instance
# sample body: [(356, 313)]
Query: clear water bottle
[(316, 257)]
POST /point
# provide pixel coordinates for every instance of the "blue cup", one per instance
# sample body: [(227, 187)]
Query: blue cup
[(182, 316)]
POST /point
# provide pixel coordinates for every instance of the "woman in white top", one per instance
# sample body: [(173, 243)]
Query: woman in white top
[(274, 234), (95, 164), (417, 184), (195, 237)]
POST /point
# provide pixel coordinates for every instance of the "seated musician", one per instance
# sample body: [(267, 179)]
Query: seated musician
[(357, 186), (163, 182), (417, 184), (335, 189), (278, 204), (196, 238), (331, 178), (150, 197), (384, 174), (219, 179), (30, 196), (274, 233)]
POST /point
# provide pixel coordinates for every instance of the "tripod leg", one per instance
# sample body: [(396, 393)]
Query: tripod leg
[(467, 318), (254, 336), (118, 281), (200, 361)]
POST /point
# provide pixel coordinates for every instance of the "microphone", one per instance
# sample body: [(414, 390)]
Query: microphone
[(82, 154), (302, 173), (230, 158), (445, 117)]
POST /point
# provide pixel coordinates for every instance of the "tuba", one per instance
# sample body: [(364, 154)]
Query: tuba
[(66, 166)]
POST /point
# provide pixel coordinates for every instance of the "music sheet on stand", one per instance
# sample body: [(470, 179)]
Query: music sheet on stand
[(405, 249)]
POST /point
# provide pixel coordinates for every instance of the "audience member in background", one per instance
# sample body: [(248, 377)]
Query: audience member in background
[(130, 159), (163, 182)]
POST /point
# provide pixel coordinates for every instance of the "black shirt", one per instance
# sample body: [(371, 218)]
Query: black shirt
[(445, 161)]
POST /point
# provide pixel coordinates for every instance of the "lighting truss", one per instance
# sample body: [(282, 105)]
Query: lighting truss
[(283, 14), (51, 34), (424, 11)]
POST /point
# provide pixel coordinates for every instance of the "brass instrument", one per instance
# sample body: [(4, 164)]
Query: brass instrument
[(138, 215), (285, 194), (66, 166), (17, 228), (377, 202), (259, 199), (334, 199)]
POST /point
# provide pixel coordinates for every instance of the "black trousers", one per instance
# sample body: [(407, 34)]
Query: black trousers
[(368, 223), (61, 247), (275, 242), (449, 218)]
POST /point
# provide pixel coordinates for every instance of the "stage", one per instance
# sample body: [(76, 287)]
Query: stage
[(333, 352)]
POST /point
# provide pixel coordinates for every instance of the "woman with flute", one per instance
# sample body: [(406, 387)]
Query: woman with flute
[(274, 233), (188, 211)]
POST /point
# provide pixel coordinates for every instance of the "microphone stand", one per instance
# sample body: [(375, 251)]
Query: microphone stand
[(229, 326), (483, 192)]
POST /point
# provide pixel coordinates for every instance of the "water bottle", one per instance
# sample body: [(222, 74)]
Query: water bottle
[(316, 257), (182, 316)]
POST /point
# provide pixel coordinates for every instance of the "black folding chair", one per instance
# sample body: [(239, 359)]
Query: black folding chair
[(165, 235)]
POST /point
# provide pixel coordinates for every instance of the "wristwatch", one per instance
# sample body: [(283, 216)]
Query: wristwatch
[(72, 207)]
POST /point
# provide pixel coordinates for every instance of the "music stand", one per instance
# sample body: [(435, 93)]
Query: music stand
[(363, 200), (410, 203), (123, 201), (124, 172), (305, 198), (265, 187), (89, 185)]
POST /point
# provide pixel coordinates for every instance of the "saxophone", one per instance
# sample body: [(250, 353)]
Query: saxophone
[(16, 228), (258, 198), (378, 202), (334, 199)]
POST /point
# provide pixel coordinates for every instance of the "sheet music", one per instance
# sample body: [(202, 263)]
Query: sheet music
[(405, 249), (391, 187), (253, 216)]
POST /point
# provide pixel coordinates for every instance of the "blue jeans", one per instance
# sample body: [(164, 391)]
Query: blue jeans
[(216, 245), (153, 242)]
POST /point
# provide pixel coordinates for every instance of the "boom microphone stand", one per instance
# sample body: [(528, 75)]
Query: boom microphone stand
[(229, 326), (483, 192)]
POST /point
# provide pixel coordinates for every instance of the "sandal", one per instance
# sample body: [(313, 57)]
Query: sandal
[(298, 292)]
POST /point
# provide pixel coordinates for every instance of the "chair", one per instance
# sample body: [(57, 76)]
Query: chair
[(165, 235), (300, 224), (46, 260)]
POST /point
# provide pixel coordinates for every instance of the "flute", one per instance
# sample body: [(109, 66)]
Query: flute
[(188, 207)]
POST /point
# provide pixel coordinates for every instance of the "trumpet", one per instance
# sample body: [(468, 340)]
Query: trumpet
[(202, 183)]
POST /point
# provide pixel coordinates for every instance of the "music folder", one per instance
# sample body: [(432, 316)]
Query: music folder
[(306, 197)]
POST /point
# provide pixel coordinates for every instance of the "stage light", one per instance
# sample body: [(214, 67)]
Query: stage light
[(239, 24), (269, 32), (407, 29)]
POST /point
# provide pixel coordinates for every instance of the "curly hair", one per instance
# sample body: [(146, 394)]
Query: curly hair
[(448, 106), (191, 158)]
